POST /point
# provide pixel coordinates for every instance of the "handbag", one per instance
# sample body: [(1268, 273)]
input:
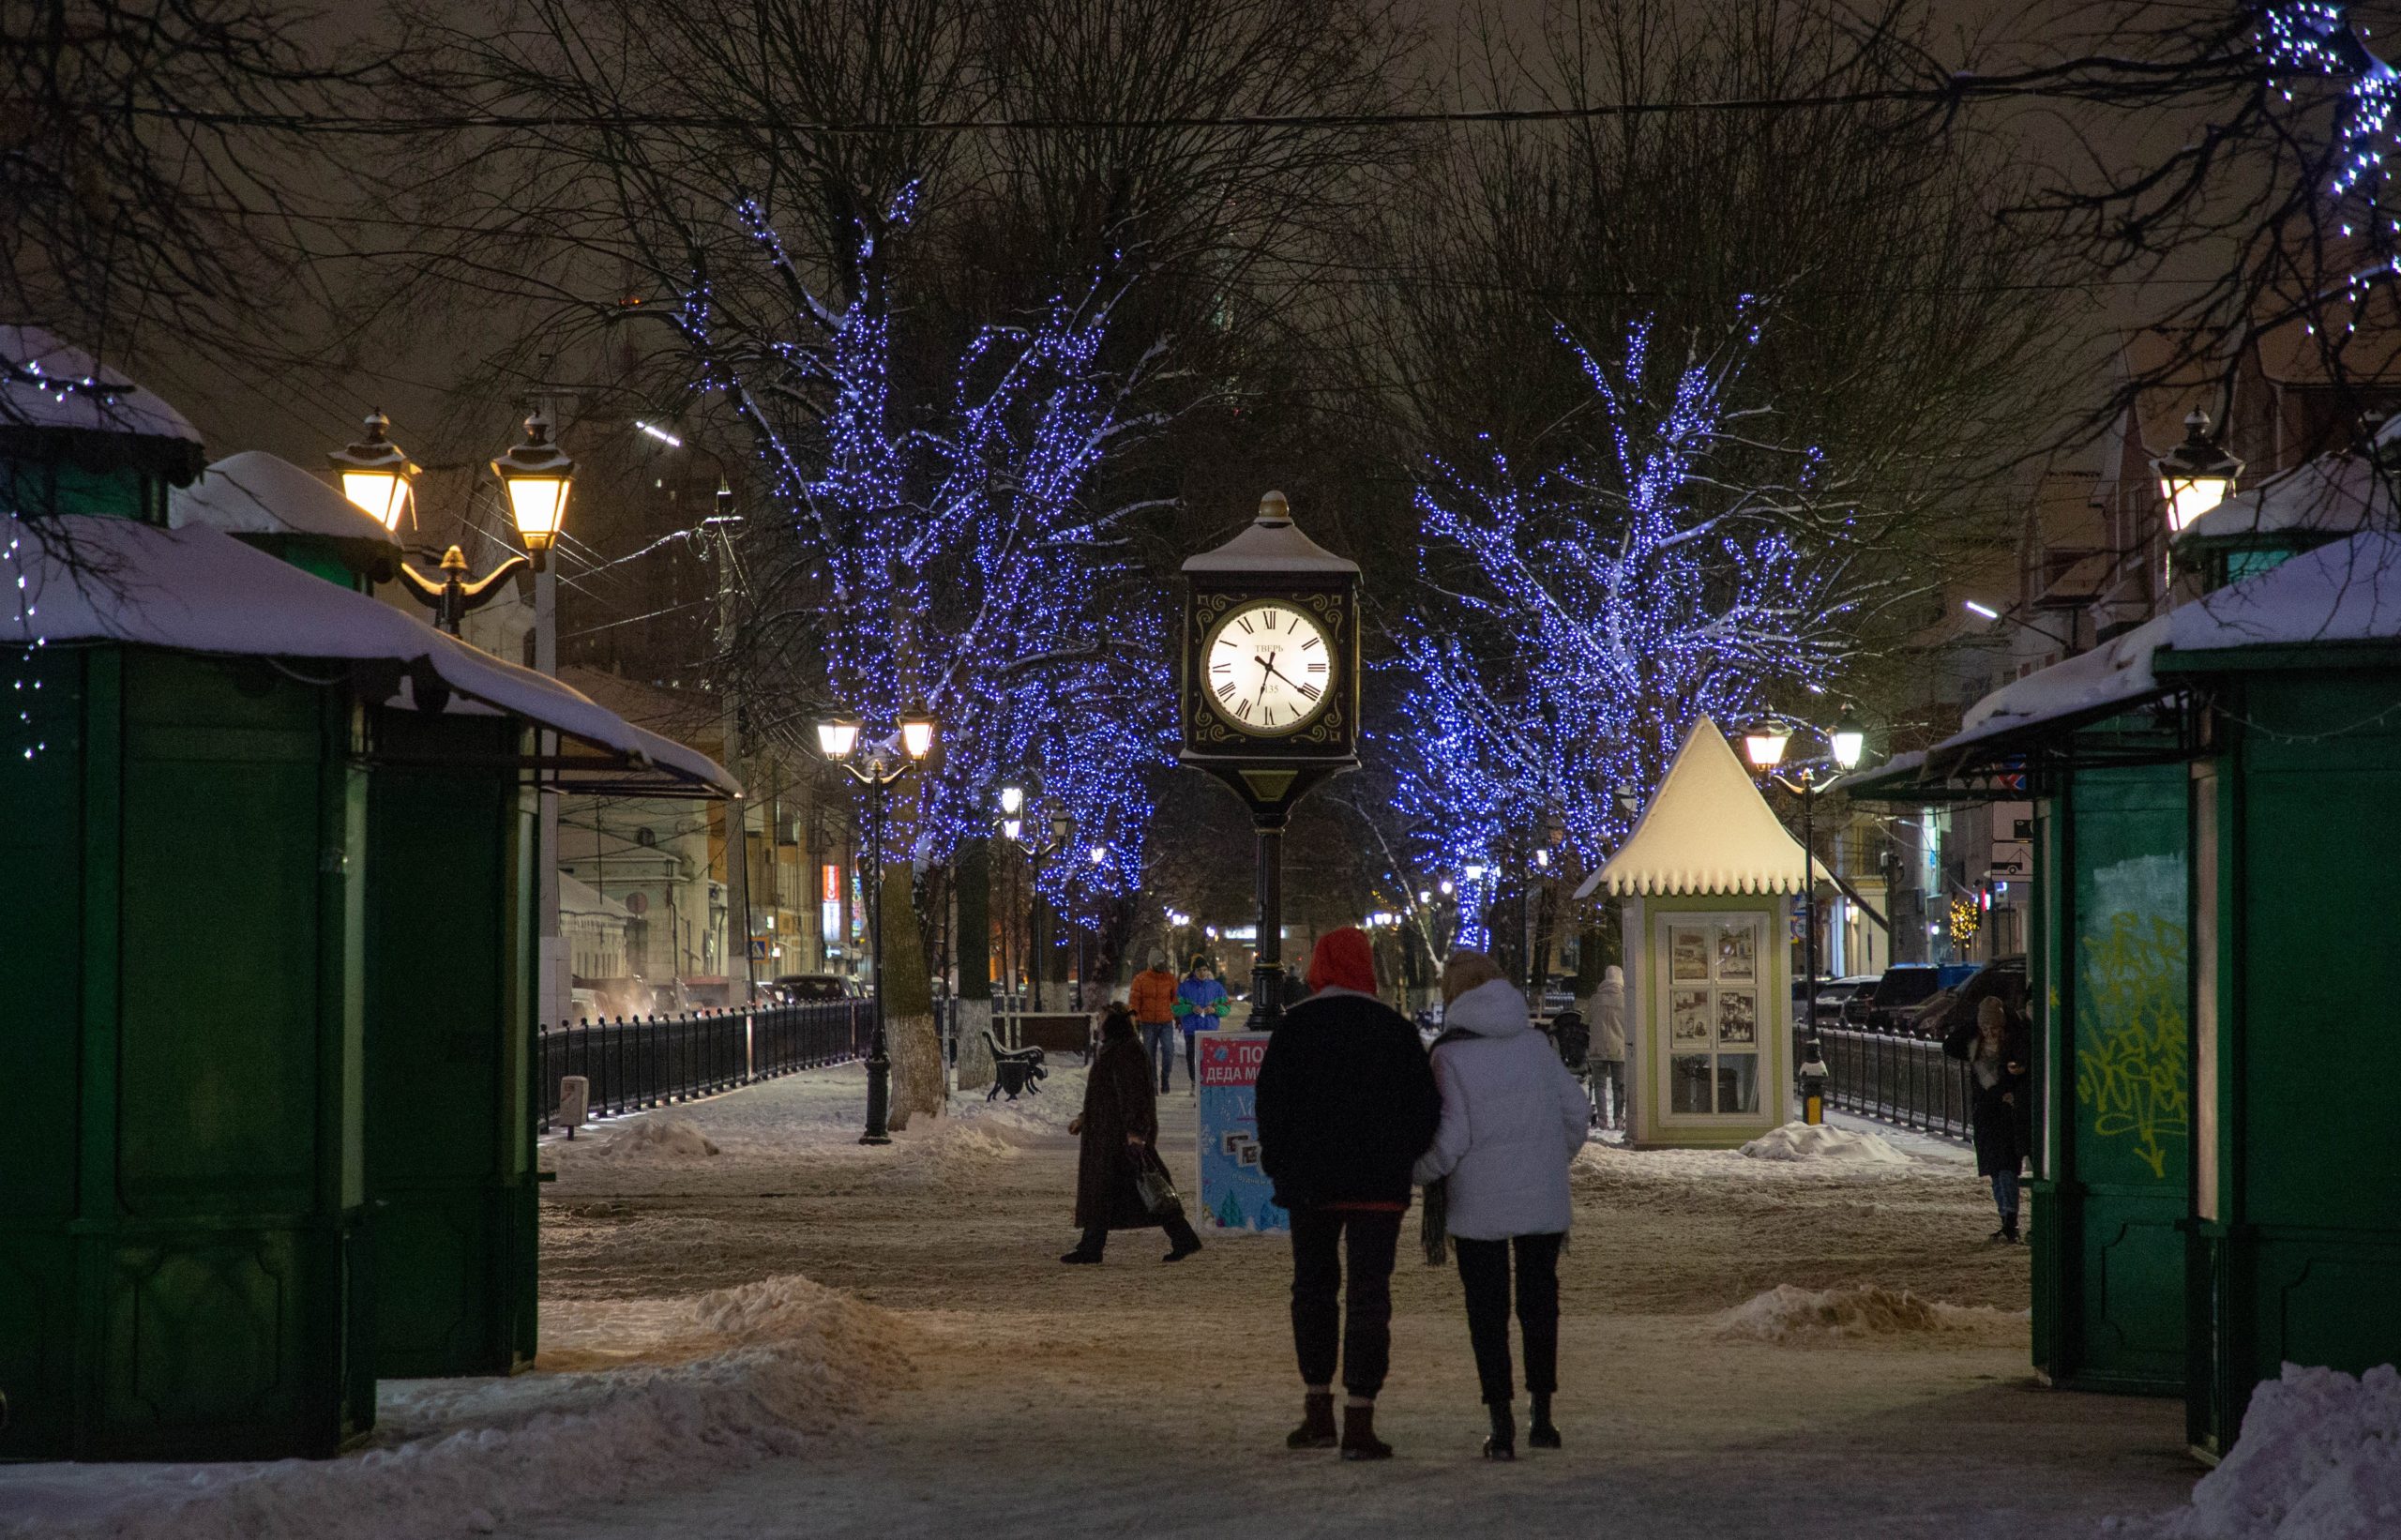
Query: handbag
[(1156, 1190), (1433, 1219)]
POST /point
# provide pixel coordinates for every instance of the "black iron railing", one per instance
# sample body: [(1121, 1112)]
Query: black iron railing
[(641, 1062), (1895, 1078)]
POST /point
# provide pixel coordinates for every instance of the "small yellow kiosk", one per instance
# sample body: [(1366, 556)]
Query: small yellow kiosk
[(1705, 885)]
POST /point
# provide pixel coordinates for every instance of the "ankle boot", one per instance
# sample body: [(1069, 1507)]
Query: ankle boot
[(1541, 1435), (1359, 1440), (1502, 1445), (1317, 1424)]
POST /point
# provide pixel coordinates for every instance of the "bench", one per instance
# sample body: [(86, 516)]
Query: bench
[(1014, 1069), (1061, 1032)]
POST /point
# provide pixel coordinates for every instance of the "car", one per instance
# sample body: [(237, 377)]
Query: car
[(1834, 993), (1945, 1013), (1892, 1002), (798, 988)]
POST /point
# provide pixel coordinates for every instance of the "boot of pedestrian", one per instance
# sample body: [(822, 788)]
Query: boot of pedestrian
[(1081, 1258), (1359, 1440), (1317, 1424), (1182, 1241), (1543, 1434), (1502, 1445)]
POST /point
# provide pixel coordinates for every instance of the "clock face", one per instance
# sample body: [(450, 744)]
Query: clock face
[(1269, 668)]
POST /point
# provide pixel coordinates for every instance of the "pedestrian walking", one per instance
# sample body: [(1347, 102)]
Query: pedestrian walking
[(1346, 1104), (1120, 1130), (1607, 1056), (1512, 1118), (2001, 1111), (1152, 1000), (1201, 1005)]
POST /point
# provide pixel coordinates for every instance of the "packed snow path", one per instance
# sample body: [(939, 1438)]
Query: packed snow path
[(1137, 1399), (1750, 1348)]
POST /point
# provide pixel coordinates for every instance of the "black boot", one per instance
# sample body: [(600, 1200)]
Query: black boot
[(1182, 1241), (1359, 1440), (1317, 1424), (1089, 1250), (1541, 1435), (1502, 1445)]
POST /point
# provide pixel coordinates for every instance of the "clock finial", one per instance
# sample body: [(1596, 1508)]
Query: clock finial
[(1274, 512)]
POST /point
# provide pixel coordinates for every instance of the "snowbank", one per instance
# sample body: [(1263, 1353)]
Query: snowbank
[(659, 1137), (2319, 1459), (630, 1395), (1787, 1313), (1823, 1142)]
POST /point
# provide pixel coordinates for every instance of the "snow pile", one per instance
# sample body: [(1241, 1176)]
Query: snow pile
[(1824, 1142), (689, 1387), (660, 1136), (1787, 1313), (2319, 1459)]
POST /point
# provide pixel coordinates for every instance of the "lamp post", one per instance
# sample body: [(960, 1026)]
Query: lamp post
[(2195, 475), (876, 764), (1764, 747), (1047, 840)]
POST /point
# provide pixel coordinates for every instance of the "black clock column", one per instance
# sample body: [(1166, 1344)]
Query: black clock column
[(1267, 968)]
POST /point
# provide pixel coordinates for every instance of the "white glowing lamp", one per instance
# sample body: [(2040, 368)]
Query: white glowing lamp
[(1848, 741), (2195, 475), (536, 473), (375, 474), (837, 737), (1763, 745), (917, 735)]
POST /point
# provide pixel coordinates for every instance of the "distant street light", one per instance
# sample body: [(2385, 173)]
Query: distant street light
[(877, 765), (2195, 475), (1764, 747)]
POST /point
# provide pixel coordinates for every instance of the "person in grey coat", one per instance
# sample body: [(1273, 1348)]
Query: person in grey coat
[(1513, 1119), (1608, 1058)]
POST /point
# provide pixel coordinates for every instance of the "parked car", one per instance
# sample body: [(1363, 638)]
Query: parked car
[(1892, 1002), (2004, 978), (796, 988), (1834, 993)]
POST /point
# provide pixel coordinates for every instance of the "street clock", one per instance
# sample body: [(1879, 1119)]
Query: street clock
[(1269, 702)]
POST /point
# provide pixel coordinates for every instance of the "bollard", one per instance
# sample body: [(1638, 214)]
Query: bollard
[(575, 1101), (1813, 1085)]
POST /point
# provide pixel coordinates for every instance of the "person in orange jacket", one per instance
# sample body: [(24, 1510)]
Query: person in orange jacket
[(1153, 1002)]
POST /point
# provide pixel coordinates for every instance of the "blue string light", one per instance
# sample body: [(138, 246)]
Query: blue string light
[(1614, 601), (2314, 37)]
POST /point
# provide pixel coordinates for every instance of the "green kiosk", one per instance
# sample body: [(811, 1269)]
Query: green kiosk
[(191, 1247), (2216, 791)]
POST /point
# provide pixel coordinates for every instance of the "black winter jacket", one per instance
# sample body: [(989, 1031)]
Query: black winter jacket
[(1346, 1103)]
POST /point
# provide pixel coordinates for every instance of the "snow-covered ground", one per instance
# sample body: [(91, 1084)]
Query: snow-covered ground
[(799, 1335)]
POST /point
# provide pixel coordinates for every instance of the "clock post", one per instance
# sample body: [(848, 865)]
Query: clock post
[(1269, 698)]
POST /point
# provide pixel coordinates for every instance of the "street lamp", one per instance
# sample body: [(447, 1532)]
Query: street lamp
[(876, 764), (536, 473), (376, 475), (2195, 475), (1041, 836), (1764, 747)]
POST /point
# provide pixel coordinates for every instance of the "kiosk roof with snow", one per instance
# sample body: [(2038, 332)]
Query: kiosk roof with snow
[(1707, 830)]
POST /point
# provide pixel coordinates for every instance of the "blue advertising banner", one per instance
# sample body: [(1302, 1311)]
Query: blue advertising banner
[(1234, 1193)]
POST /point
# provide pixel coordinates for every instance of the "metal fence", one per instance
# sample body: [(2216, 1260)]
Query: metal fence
[(1897, 1078), (638, 1061)]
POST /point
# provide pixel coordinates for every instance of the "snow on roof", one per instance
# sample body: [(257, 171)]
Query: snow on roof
[(2346, 591), (1707, 830), (86, 396), (578, 896), (255, 492), (2332, 494), (196, 589), (1272, 543)]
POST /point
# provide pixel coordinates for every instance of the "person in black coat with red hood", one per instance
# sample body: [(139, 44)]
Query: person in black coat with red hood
[(1346, 1103)]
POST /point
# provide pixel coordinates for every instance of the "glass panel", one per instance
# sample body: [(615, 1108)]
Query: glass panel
[(1738, 1083), (1688, 1083)]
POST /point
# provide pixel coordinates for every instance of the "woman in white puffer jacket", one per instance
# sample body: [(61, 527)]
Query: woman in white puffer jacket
[(1513, 1119)]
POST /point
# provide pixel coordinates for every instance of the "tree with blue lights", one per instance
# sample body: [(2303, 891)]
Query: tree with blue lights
[(1577, 620)]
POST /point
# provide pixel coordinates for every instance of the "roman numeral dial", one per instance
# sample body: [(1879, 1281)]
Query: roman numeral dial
[(1269, 666)]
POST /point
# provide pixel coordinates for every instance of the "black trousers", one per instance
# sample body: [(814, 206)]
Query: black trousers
[(1320, 1299), (1484, 1270), (1179, 1234)]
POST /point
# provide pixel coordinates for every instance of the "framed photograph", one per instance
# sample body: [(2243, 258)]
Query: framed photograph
[(1738, 1018), (1687, 952), (1738, 954), (1688, 1016)]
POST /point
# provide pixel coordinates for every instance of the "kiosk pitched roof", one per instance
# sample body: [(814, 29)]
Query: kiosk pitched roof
[(1707, 830)]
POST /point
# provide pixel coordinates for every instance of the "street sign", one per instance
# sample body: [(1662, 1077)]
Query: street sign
[(758, 948)]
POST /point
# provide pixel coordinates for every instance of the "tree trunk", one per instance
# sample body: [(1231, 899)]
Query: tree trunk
[(909, 1035), (973, 893)]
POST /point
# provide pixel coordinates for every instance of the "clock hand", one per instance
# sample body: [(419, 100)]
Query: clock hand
[(1269, 663)]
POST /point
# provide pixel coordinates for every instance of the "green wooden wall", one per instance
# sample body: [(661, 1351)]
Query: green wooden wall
[(2109, 1260), (185, 1163)]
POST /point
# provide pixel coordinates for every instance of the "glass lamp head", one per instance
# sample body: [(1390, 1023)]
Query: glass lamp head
[(536, 473), (376, 475), (2195, 475), (917, 735), (837, 737), (1848, 741), (1764, 745), (1062, 826), (1012, 801)]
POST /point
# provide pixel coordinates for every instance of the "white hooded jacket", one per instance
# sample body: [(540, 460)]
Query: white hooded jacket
[(1513, 1119)]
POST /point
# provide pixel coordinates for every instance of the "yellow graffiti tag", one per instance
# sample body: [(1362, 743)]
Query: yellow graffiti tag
[(2131, 1035)]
